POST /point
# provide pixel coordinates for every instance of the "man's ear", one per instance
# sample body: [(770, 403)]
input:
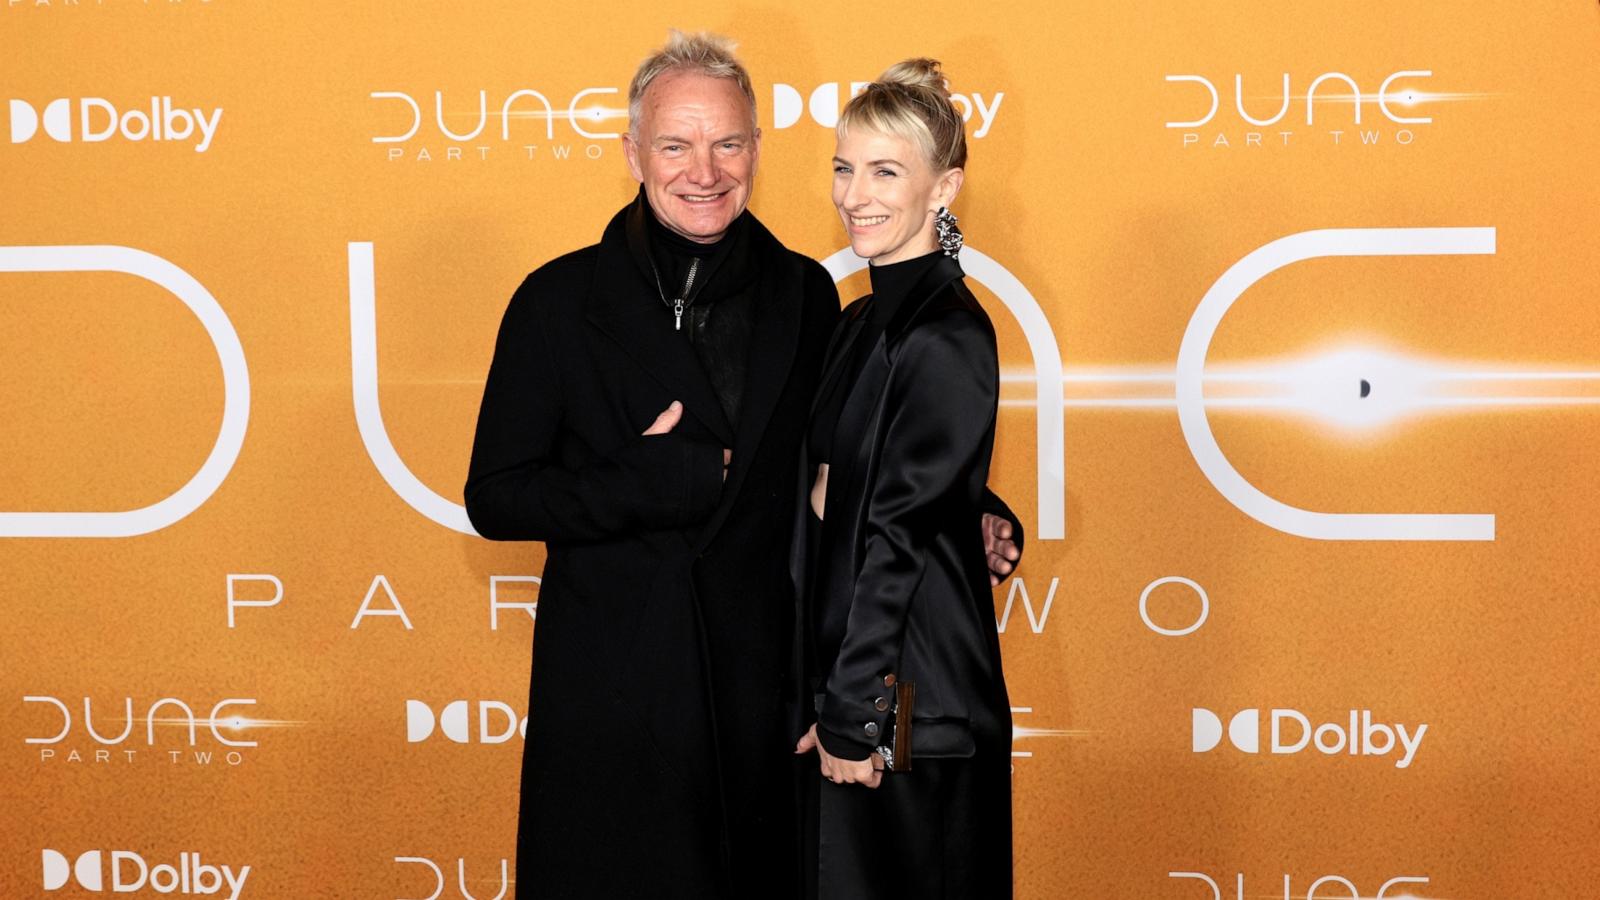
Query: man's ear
[(630, 149)]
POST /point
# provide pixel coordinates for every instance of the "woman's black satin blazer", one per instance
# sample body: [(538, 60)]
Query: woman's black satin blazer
[(901, 587)]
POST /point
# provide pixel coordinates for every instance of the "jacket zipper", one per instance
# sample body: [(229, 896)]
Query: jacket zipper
[(677, 305), (680, 303)]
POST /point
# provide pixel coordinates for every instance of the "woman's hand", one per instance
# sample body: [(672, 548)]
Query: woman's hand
[(868, 772)]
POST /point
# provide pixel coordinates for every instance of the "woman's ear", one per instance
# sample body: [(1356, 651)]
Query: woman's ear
[(947, 186)]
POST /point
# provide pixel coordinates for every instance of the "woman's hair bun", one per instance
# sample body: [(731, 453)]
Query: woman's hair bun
[(921, 72)]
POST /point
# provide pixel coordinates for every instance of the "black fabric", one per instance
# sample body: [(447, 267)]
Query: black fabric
[(719, 305), (903, 585), (899, 587), (890, 286), (939, 832), (658, 760)]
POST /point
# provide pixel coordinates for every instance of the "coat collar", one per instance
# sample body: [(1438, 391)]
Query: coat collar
[(626, 305)]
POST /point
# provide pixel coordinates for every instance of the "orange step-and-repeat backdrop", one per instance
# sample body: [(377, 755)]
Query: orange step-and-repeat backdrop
[(1301, 358)]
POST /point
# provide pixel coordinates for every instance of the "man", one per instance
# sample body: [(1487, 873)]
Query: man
[(643, 417)]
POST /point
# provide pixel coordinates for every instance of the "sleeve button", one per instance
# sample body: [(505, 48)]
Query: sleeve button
[(888, 680), (880, 704), (871, 729)]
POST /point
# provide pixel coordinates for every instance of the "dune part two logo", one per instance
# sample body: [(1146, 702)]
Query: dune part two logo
[(72, 745), (453, 722), (1387, 98), (99, 120), (1363, 737), (586, 117), (130, 872)]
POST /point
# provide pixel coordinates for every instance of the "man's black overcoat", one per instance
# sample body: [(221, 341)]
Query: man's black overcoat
[(657, 761)]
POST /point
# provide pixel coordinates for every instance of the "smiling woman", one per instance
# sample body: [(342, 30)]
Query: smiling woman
[(912, 728)]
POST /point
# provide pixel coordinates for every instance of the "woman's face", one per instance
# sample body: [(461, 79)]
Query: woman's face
[(887, 193)]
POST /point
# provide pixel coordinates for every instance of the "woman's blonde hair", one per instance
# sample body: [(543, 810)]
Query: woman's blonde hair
[(910, 100)]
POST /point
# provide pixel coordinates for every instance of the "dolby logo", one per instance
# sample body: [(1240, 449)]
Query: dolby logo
[(131, 873), (1292, 732), (98, 120), (497, 722), (824, 101)]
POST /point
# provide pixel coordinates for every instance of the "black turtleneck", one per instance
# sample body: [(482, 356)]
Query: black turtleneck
[(719, 304), (891, 285), (673, 252)]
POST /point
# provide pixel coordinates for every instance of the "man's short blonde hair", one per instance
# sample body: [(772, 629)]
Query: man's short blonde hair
[(704, 53)]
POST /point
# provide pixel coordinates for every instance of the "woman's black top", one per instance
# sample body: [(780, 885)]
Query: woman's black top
[(890, 285)]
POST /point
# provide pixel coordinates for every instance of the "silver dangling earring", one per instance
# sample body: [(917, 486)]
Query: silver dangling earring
[(944, 228)]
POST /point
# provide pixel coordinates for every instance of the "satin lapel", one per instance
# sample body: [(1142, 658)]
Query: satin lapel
[(854, 442), (627, 308), (774, 338)]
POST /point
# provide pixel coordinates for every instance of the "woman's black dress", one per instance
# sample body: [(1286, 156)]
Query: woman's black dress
[(896, 584)]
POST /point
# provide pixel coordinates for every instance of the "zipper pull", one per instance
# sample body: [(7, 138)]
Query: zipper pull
[(677, 305)]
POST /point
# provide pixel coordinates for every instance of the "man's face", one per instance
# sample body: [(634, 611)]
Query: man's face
[(695, 153)]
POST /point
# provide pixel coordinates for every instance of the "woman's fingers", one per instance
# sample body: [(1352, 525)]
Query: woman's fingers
[(845, 771), (876, 777), (868, 772)]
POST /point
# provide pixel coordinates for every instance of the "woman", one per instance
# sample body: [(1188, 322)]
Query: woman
[(895, 587)]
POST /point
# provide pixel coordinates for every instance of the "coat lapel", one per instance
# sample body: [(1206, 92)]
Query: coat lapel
[(854, 443), (625, 306), (774, 338)]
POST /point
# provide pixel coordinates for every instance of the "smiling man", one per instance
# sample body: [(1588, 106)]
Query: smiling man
[(643, 416)]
